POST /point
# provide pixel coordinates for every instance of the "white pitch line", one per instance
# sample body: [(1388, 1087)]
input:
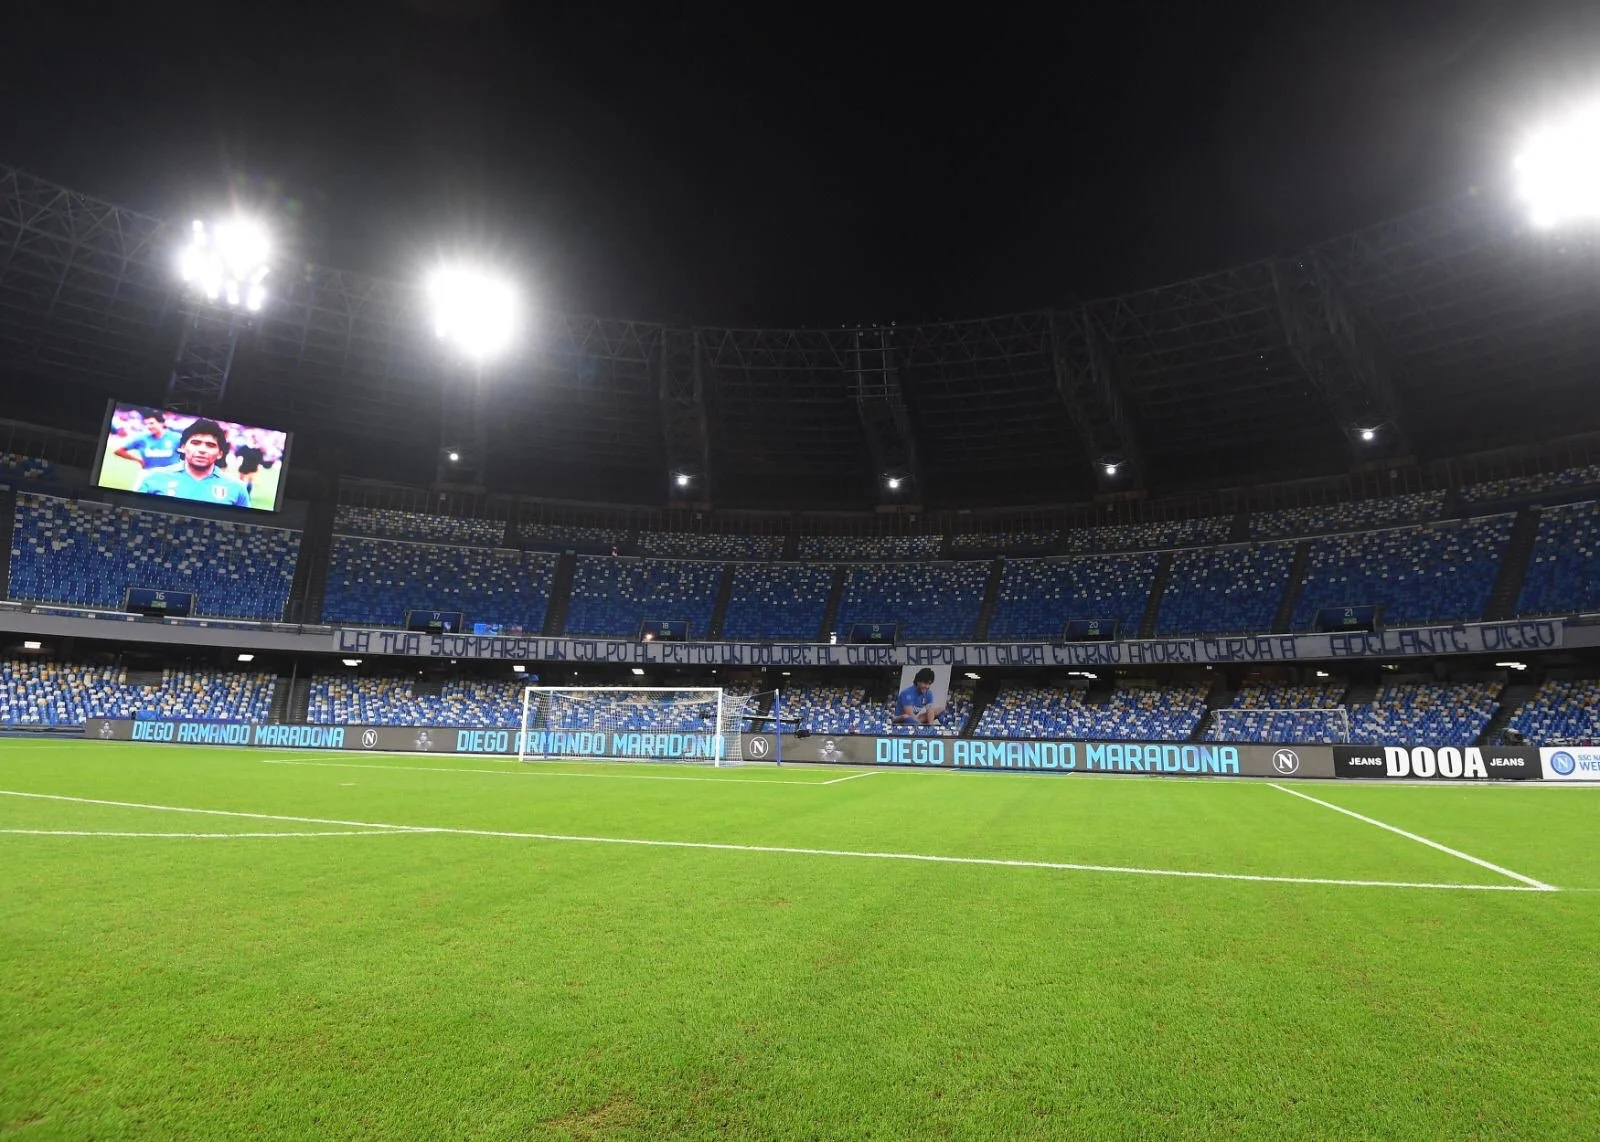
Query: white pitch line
[(201, 836), (1537, 885), (212, 812), (786, 850), (852, 777), (535, 772)]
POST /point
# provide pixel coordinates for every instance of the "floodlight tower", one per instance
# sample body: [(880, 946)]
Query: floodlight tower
[(224, 270), (475, 312), (1558, 169)]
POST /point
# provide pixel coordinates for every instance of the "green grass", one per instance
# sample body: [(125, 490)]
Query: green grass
[(433, 985)]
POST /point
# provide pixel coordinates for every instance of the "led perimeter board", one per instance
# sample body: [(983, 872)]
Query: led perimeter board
[(178, 455)]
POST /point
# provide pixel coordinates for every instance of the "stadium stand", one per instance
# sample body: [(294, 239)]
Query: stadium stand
[(1222, 590), (1425, 713), (34, 693), (1135, 536), (1004, 540), (559, 533), (1528, 485), (928, 600), (688, 546), (387, 523), (1437, 572), (1038, 596), (375, 581), (612, 596), (1133, 713), (829, 709), (15, 467), (1563, 574), (777, 601), (847, 548), (1561, 711), (1283, 712), (352, 700), (87, 553), (1415, 507)]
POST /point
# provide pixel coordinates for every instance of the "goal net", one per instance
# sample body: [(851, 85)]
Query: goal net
[(1320, 725), (699, 726)]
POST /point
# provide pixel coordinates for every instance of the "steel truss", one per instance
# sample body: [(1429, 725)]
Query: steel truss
[(1449, 325)]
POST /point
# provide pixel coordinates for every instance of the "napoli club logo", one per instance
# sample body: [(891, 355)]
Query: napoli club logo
[(1562, 763), (1286, 762), (369, 738)]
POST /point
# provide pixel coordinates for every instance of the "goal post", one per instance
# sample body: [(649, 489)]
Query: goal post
[(699, 725), (1257, 721)]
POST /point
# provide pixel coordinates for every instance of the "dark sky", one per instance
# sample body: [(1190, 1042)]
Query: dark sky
[(814, 166)]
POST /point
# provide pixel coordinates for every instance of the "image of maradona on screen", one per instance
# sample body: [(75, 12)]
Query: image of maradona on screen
[(157, 452)]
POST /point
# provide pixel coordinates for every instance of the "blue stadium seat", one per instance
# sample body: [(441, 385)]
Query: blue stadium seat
[(1005, 540), (846, 548), (1038, 596), (777, 601), (1385, 511), (1425, 713), (15, 467), (1563, 573), (387, 523), (354, 700), (34, 693), (1225, 590), (1435, 573), (1136, 536), (1561, 711), (1168, 713), (375, 581), (1284, 712), (88, 553), (612, 595), (688, 546), (928, 600), (1579, 477)]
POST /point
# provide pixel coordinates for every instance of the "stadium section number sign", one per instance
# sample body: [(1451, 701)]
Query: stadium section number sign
[(1440, 763), (1467, 638)]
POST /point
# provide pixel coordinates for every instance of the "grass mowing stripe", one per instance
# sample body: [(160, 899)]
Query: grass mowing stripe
[(1538, 885), (540, 773), (789, 850)]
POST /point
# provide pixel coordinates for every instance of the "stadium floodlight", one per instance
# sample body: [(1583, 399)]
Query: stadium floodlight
[(1369, 434), (1111, 469), (227, 262), (32, 644), (455, 457), (247, 658), (475, 310), (894, 483), (638, 672), (518, 668), (351, 661), (973, 674), (1513, 665), (682, 479), (1558, 169)]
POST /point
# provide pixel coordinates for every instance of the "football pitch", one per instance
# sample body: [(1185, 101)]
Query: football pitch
[(214, 943)]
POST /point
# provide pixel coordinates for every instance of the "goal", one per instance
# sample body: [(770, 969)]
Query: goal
[(1293, 725), (699, 726)]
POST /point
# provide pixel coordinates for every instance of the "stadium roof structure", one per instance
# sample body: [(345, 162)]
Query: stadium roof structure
[(1447, 330)]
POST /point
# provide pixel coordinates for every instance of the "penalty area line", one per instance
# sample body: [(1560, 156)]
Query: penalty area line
[(1535, 885), (788, 850)]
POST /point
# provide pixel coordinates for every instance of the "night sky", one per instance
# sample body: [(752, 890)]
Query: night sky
[(816, 166)]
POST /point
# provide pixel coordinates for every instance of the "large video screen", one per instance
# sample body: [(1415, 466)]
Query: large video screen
[(187, 457)]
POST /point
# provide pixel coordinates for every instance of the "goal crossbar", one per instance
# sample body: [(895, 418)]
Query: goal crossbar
[(695, 724), (1340, 713)]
